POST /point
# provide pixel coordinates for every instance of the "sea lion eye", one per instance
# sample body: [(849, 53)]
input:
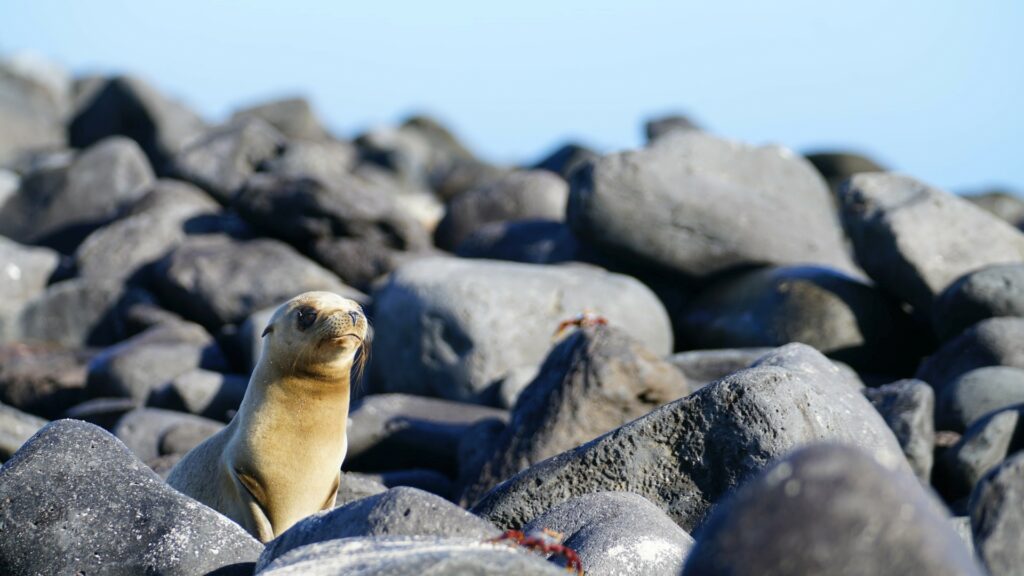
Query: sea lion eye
[(306, 316)]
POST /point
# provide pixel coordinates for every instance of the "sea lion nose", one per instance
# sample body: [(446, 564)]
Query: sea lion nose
[(354, 316)]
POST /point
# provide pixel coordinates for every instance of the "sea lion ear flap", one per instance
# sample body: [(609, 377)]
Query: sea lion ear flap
[(267, 330)]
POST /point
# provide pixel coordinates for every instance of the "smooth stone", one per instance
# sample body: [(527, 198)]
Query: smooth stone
[(977, 393), (908, 407), (294, 117), (142, 430), (77, 313), (987, 293), (992, 342), (44, 380), (16, 427), (201, 392), (981, 448), (997, 517)]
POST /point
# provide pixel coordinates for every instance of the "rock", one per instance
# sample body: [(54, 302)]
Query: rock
[(30, 117), (807, 515), (418, 202), (527, 241), (838, 167), (103, 412), (842, 317), (962, 526), (154, 225), (182, 437), (908, 407), (395, 431), (201, 392), (355, 486), (915, 240), (1003, 204), (978, 393), (997, 517), (142, 430), (135, 367), (701, 367), (397, 512), (9, 184), (565, 159), (16, 427), (409, 556), (226, 156), (656, 128), (439, 322), (349, 229), (987, 293), (513, 384), (592, 382), (696, 205), (128, 106), (76, 313), (982, 447), (522, 195), (325, 161), (618, 533), (44, 380), (293, 117), (424, 479), (688, 454), (58, 207), (43, 72), (25, 272), (76, 493), (992, 342), (217, 280)]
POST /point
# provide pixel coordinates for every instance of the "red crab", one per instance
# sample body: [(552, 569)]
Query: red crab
[(546, 542), (581, 320)]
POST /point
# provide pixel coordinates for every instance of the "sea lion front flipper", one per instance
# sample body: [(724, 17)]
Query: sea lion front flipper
[(332, 498), (253, 498)]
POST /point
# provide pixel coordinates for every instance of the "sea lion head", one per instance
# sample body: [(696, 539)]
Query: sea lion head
[(318, 329)]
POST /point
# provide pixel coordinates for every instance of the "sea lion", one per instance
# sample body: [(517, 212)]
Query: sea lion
[(279, 459)]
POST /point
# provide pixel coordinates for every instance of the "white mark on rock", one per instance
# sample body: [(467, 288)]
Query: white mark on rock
[(13, 271)]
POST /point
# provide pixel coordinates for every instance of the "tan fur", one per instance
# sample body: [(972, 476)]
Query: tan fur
[(279, 459)]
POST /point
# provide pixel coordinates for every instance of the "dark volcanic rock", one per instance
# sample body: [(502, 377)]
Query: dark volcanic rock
[(326, 161), (908, 407), (1005, 205), (223, 159), (445, 325), (135, 367), (566, 159), (410, 556), (993, 342), (24, 274), (395, 431), (982, 447), (618, 533), (522, 195), (997, 517), (78, 312), (915, 240), (60, 206), (977, 393), (15, 428), (397, 512), (355, 486), (837, 167), (143, 430), (593, 381), (42, 379), (216, 280), (836, 314), (695, 204), (350, 229), (129, 107), (103, 412), (293, 117), (75, 501), (527, 241), (987, 293), (688, 454), (203, 393), (661, 126), (705, 366), (809, 515), (30, 117)]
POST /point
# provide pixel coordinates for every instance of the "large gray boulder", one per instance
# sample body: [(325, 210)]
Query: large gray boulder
[(810, 513), (521, 195), (144, 431), (978, 392), (24, 273), (129, 106), (592, 382), (60, 206), (31, 118), (702, 367), (294, 117), (451, 327), (992, 342), (688, 454), (42, 379), (76, 313), (842, 317), (981, 448), (915, 240), (908, 407), (16, 427), (695, 204), (618, 533), (986, 293), (410, 556), (216, 280), (75, 501), (397, 512), (997, 517), (1004, 204), (201, 392)]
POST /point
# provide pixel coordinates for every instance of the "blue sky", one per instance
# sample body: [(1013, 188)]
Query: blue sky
[(933, 89)]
